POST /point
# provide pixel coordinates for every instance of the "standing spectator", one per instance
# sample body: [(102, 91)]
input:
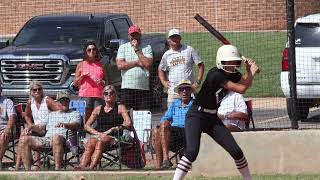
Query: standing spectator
[(233, 111), (170, 135), (37, 110), (58, 123), (134, 59), (7, 121), (90, 78), (177, 64)]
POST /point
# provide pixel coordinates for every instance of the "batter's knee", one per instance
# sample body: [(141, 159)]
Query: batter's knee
[(191, 154)]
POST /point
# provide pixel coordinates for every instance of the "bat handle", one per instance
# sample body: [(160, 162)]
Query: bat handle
[(245, 60)]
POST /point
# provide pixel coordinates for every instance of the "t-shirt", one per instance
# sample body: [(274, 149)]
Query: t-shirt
[(56, 117), (6, 110), (212, 91), (88, 86), (179, 65), (137, 77), (176, 114), (233, 102)]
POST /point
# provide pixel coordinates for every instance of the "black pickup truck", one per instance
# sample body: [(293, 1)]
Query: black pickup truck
[(49, 47)]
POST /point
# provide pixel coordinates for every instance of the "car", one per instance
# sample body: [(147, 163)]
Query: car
[(307, 51), (49, 47)]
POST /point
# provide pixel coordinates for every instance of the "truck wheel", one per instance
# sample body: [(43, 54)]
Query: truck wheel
[(302, 106)]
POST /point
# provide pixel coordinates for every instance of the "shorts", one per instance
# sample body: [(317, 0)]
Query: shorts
[(177, 139), (44, 141), (135, 98), (171, 98), (92, 102)]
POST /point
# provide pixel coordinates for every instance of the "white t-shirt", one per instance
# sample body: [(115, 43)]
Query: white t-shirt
[(233, 102), (6, 110), (179, 65)]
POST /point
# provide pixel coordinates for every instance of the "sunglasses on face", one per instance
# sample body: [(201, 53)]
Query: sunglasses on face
[(182, 89), (109, 93), (91, 49), (36, 89)]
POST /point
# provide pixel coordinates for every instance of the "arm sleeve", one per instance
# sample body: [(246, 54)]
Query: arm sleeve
[(147, 52), (217, 79), (10, 108), (169, 114), (163, 63), (121, 53), (195, 56)]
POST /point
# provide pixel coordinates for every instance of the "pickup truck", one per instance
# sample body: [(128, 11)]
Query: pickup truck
[(49, 47)]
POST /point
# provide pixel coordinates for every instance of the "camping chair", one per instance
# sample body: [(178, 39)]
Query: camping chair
[(15, 134), (250, 116)]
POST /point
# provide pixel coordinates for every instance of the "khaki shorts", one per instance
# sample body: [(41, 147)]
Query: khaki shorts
[(44, 141)]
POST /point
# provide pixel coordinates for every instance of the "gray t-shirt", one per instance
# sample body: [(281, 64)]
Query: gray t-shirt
[(56, 117), (6, 109), (179, 65)]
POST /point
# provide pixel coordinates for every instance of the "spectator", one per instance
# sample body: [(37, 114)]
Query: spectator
[(90, 78), (58, 123), (134, 59), (7, 122), (171, 134), (233, 111), (177, 64), (109, 118), (36, 115)]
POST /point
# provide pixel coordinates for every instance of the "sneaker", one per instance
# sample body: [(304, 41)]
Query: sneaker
[(166, 164)]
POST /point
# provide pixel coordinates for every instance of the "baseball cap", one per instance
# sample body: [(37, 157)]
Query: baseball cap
[(62, 94), (173, 32), (183, 83), (134, 29)]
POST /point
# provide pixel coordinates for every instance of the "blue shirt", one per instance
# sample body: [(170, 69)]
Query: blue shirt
[(176, 114)]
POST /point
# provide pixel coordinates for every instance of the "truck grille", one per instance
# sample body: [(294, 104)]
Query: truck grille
[(24, 70)]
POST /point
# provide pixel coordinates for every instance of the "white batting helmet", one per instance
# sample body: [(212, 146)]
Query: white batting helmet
[(228, 53)]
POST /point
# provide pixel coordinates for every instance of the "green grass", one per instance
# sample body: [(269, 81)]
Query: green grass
[(264, 47), (110, 177)]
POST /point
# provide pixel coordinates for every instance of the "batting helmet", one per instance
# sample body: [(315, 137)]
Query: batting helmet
[(228, 53)]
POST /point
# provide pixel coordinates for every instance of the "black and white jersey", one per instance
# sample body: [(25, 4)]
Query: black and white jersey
[(212, 91)]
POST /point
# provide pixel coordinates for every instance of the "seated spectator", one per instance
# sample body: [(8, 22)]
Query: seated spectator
[(233, 111), (59, 122), (109, 118), (7, 122), (36, 115), (170, 135)]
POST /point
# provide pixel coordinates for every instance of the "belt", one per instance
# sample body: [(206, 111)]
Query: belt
[(210, 111)]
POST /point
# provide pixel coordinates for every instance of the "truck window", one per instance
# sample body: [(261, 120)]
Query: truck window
[(54, 32), (122, 27), (110, 32), (307, 35)]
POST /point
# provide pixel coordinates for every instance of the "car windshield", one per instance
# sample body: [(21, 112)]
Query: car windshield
[(59, 33), (307, 35)]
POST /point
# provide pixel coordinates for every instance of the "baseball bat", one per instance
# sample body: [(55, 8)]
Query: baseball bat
[(215, 33)]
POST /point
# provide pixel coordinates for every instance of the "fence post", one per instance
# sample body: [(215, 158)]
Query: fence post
[(292, 63)]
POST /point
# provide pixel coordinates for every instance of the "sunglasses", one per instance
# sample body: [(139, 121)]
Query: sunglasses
[(91, 49), (181, 89), (36, 89), (109, 93)]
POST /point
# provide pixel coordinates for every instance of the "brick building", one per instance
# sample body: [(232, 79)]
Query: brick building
[(158, 16)]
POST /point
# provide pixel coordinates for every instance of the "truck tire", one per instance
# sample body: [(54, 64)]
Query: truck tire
[(302, 106)]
